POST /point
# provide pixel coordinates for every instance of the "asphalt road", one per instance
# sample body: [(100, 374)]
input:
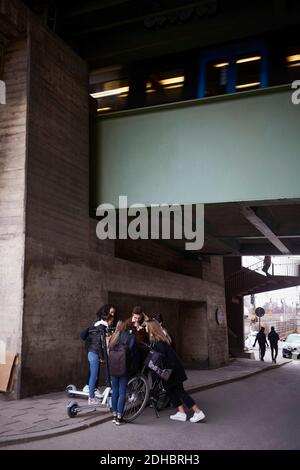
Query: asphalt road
[(261, 412)]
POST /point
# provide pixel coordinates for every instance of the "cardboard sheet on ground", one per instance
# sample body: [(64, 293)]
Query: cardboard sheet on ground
[(6, 370)]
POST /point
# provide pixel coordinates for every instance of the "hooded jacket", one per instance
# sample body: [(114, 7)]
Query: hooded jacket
[(94, 337)]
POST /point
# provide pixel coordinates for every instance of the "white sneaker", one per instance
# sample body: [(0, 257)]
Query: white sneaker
[(92, 401), (179, 416), (197, 417), (86, 389)]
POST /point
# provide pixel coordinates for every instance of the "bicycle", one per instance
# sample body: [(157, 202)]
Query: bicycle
[(142, 390)]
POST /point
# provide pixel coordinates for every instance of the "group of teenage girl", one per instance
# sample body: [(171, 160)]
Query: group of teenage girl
[(140, 333)]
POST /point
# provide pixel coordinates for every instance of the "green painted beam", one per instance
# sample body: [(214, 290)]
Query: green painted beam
[(243, 147)]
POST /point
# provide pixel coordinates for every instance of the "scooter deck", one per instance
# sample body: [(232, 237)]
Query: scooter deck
[(93, 407), (80, 393)]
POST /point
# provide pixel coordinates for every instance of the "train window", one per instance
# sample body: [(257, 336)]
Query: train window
[(293, 65), (217, 77), (233, 68), (165, 87), (109, 88), (111, 96), (248, 72)]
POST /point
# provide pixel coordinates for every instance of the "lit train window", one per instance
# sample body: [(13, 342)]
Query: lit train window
[(248, 72), (110, 91), (234, 68), (293, 65), (164, 87), (217, 77), (111, 96)]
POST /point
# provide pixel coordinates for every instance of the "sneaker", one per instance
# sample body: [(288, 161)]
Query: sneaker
[(114, 419), (86, 389), (197, 417), (178, 416), (119, 421), (92, 401)]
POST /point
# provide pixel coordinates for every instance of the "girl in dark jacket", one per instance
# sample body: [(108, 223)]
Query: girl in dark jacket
[(95, 341), (161, 343)]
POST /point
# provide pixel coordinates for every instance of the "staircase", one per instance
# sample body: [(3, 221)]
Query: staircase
[(249, 281)]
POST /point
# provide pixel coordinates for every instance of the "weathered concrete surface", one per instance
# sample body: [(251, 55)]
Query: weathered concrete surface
[(12, 196)]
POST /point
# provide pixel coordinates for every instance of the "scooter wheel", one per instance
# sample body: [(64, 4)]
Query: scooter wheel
[(72, 409), (71, 388)]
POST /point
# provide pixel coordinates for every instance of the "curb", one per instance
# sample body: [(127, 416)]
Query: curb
[(5, 441)]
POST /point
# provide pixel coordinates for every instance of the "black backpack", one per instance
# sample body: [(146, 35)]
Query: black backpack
[(119, 358), (157, 363)]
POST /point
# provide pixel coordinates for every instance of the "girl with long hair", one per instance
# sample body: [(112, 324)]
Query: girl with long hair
[(121, 338), (161, 342)]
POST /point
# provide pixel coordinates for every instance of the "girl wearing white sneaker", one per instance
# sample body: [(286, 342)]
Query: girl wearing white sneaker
[(161, 343)]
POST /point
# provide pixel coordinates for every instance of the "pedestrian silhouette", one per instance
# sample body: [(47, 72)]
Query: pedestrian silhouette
[(267, 265), (262, 341), (273, 338)]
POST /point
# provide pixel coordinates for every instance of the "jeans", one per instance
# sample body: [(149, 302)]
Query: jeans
[(94, 369), (118, 399), (178, 396), (262, 351), (274, 348)]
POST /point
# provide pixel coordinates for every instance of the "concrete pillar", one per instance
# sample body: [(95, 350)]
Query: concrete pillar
[(234, 308), (13, 137)]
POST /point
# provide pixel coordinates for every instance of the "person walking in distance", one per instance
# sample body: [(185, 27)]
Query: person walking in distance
[(262, 342), (267, 264), (273, 338)]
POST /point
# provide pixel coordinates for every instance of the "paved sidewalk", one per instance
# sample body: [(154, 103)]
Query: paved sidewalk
[(46, 416)]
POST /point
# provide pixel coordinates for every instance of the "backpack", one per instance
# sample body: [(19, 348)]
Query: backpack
[(157, 363), (119, 358)]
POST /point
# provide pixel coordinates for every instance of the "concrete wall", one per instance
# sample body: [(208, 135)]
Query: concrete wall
[(202, 152), (57, 219), (12, 194), (159, 255)]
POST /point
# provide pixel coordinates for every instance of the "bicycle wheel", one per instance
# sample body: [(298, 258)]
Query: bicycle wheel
[(137, 395)]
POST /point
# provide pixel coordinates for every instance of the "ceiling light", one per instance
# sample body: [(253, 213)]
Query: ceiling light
[(248, 59), (179, 85), (221, 64), (247, 85), (114, 91), (293, 58), (171, 81)]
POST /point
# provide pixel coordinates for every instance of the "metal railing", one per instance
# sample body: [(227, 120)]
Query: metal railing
[(252, 276), (277, 269)]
